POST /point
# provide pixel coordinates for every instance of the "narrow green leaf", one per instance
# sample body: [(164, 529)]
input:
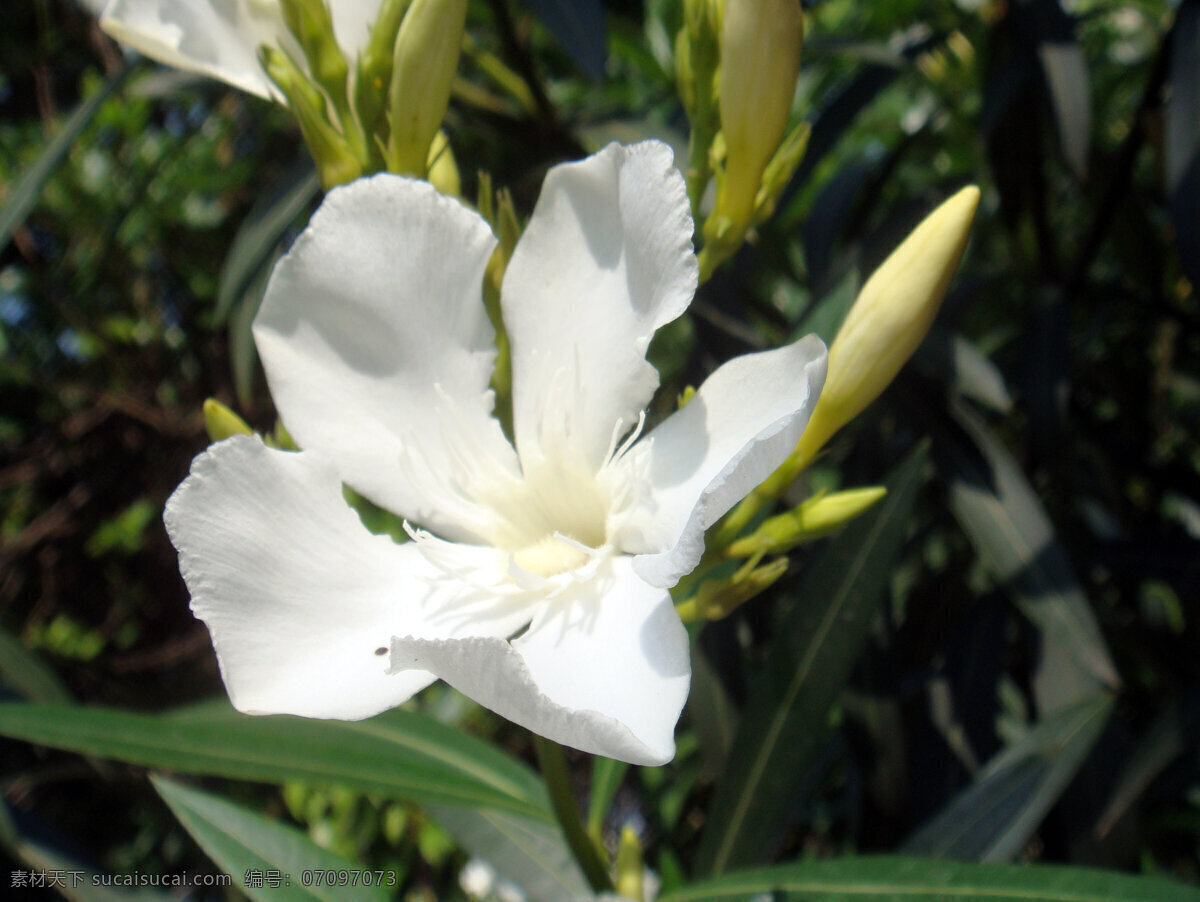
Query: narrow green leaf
[(888, 879), (1175, 731), (955, 361), (1065, 68), (607, 775), (398, 754), (1002, 516), (993, 818), (28, 674), (243, 354), (579, 27), (24, 193), (711, 712), (531, 853), (810, 660), (239, 840), (254, 247)]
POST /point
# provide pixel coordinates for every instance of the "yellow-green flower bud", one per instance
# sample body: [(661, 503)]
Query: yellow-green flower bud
[(890, 318), (717, 598), (336, 160), (630, 870), (760, 59), (423, 67), (375, 67), (221, 422), (312, 25), (443, 169), (817, 517)]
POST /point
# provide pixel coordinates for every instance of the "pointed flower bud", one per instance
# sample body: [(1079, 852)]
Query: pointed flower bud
[(630, 870), (888, 321), (423, 67), (312, 25), (443, 168), (375, 66), (221, 422), (817, 517), (891, 317), (760, 59)]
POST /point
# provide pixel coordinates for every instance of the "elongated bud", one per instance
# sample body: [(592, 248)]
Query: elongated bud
[(718, 598), (375, 67), (443, 169), (890, 318), (815, 518), (336, 160), (220, 422), (426, 58), (630, 870), (312, 25), (760, 60)]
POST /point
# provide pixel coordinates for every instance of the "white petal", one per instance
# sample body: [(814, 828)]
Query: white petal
[(298, 596), (352, 21), (606, 260), (218, 39), (741, 425), (603, 668), (379, 352)]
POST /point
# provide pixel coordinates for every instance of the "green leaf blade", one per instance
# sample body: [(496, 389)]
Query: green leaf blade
[(240, 840), (892, 879), (398, 754), (808, 665)]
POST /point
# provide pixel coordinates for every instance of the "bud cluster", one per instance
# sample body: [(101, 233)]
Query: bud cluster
[(385, 113)]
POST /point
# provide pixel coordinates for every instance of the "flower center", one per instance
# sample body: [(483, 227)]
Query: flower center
[(551, 556)]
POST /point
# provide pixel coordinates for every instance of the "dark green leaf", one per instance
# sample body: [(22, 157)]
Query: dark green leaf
[(1173, 732), (711, 712), (398, 754), (1183, 103), (579, 27), (1001, 515), (815, 648), (28, 674), (1066, 73), (239, 840), (916, 880), (993, 818), (255, 246), (956, 362)]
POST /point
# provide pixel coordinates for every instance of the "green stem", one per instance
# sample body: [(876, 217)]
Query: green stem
[(554, 769)]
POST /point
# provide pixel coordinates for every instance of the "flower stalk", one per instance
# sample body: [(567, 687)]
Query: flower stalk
[(591, 858)]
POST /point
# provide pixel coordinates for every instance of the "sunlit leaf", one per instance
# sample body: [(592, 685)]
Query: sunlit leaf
[(529, 852), (993, 818), (398, 754), (240, 841)]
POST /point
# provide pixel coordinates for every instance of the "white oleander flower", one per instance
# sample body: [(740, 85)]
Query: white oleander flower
[(220, 38), (537, 583)]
